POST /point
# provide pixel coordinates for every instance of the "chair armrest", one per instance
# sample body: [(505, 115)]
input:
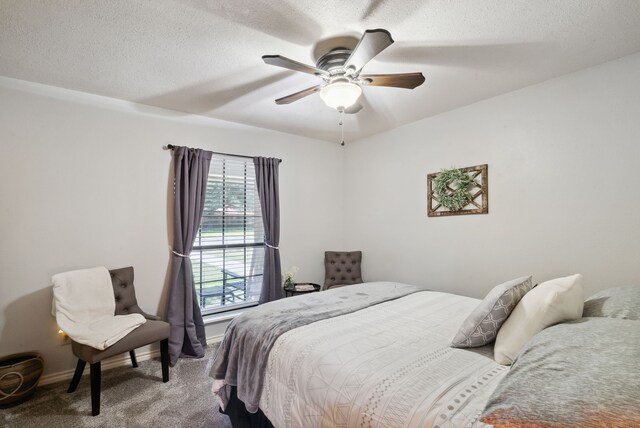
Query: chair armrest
[(137, 310), (149, 317)]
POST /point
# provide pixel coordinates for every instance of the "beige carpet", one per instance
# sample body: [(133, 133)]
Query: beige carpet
[(130, 398)]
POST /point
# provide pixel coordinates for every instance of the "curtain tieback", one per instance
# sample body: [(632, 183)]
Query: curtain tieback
[(177, 253), (271, 246)]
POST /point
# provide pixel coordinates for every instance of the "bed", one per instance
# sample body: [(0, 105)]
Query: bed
[(370, 355)]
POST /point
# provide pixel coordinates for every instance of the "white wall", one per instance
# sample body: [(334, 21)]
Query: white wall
[(563, 162), (84, 182)]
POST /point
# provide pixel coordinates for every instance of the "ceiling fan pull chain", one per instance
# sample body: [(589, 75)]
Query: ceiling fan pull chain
[(341, 123)]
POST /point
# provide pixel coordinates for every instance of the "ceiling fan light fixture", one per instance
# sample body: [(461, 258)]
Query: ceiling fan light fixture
[(340, 94)]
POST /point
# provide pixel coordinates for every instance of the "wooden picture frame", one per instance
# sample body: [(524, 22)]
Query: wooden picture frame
[(479, 203)]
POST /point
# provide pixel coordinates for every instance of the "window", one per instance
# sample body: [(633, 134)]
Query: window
[(228, 254)]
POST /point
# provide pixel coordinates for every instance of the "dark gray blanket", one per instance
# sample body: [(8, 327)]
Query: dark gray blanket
[(241, 359)]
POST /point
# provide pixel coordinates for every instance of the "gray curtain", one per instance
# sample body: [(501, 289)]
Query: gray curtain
[(187, 337), (267, 181)]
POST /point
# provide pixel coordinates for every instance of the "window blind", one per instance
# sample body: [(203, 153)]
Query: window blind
[(228, 254)]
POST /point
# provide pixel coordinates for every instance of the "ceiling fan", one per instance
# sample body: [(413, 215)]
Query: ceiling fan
[(340, 70)]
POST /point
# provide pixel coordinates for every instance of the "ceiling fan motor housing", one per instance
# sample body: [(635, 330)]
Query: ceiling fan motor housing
[(334, 60)]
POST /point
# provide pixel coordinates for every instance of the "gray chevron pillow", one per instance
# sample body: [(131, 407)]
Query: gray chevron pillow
[(481, 327)]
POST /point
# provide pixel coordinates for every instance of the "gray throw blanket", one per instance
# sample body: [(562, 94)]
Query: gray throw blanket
[(241, 359)]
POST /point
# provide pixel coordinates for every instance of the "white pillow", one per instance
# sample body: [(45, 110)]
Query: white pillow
[(549, 303)]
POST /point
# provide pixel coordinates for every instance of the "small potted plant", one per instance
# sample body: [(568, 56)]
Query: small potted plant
[(288, 276)]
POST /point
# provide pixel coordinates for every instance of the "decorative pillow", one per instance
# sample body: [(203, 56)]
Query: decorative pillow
[(619, 302), (482, 325), (583, 373), (549, 303)]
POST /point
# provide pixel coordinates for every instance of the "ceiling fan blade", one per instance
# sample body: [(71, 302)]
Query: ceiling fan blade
[(284, 62), (362, 103), (301, 94), (371, 44), (403, 80), (354, 108)]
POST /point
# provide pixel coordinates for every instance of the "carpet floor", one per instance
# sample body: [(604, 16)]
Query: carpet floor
[(130, 398)]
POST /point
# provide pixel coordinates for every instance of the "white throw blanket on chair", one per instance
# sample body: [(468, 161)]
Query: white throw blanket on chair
[(85, 308)]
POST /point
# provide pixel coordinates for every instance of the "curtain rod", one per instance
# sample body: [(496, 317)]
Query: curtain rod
[(171, 147)]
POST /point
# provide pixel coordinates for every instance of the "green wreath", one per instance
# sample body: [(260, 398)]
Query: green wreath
[(460, 182)]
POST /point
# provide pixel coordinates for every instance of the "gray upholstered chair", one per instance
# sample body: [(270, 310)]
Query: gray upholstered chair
[(154, 330), (342, 268)]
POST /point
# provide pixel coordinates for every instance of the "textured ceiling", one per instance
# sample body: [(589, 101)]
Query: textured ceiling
[(204, 56)]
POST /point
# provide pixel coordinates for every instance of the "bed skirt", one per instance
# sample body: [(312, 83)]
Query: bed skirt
[(240, 417)]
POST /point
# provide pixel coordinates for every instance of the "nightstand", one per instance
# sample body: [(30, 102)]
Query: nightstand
[(292, 291)]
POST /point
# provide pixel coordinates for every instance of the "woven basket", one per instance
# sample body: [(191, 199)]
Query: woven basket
[(19, 376)]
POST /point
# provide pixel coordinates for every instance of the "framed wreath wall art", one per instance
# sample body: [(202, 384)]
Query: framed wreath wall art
[(458, 191)]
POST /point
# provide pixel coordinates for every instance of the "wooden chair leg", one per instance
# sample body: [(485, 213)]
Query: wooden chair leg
[(134, 363), (164, 359), (77, 375), (95, 388)]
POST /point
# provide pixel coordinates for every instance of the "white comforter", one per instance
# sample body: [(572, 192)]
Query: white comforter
[(389, 365)]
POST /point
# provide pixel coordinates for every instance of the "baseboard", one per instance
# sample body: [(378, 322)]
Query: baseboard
[(110, 363)]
